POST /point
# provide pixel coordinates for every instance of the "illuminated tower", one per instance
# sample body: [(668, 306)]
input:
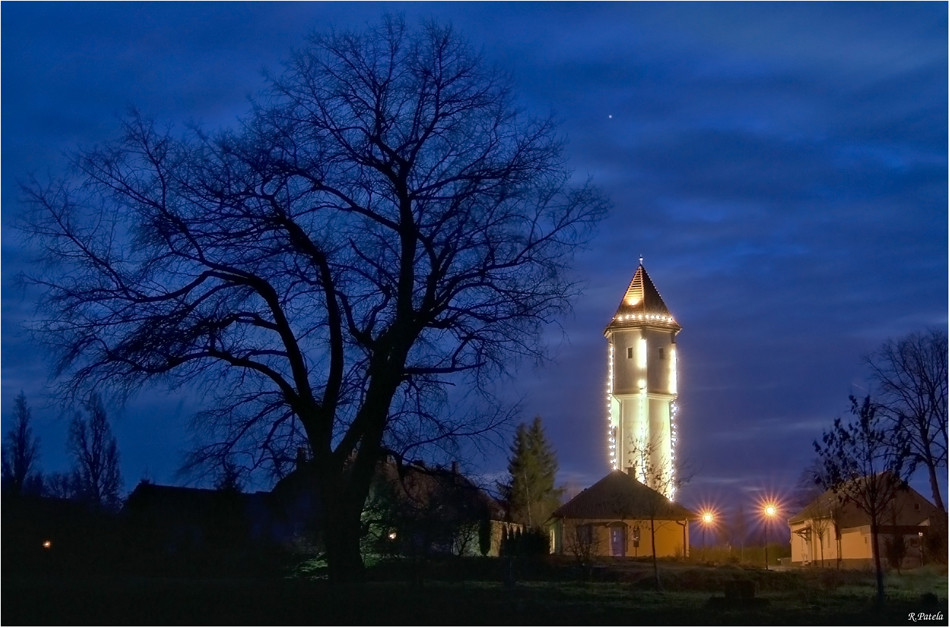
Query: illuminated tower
[(641, 385)]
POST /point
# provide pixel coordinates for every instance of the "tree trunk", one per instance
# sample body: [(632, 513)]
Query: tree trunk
[(341, 537), (343, 494), (876, 554), (935, 488), (656, 567), (345, 490)]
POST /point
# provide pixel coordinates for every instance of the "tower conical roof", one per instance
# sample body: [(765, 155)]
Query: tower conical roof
[(642, 305)]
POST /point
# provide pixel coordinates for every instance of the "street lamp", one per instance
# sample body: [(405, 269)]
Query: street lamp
[(769, 510), (707, 520)]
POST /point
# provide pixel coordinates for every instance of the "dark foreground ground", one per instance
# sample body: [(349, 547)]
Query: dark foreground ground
[(462, 595)]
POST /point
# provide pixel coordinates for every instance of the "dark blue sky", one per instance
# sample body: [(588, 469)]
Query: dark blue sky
[(782, 167)]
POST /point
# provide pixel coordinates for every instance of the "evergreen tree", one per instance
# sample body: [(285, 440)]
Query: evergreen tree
[(532, 467), (20, 451)]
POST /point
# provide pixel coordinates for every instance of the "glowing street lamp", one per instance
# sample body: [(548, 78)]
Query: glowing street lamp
[(770, 510), (708, 518)]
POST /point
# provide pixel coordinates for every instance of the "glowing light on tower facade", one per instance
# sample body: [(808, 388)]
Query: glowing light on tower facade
[(642, 385)]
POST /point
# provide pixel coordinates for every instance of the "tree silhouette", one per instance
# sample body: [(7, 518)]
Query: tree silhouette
[(96, 478), (532, 469), (911, 374), (20, 451), (654, 472), (737, 530), (861, 465), (821, 508), (383, 223)]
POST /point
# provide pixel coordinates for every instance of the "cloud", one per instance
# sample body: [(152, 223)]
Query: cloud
[(782, 167)]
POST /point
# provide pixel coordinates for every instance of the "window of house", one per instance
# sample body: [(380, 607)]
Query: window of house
[(629, 353)]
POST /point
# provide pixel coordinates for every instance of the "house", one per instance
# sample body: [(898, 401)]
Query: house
[(828, 532), (414, 509), (617, 517), (177, 519)]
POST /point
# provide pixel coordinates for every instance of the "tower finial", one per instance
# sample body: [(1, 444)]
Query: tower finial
[(641, 259)]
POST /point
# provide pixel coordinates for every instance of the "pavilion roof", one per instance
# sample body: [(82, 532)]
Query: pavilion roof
[(619, 495)]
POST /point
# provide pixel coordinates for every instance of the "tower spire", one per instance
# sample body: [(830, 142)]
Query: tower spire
[(642, 303)]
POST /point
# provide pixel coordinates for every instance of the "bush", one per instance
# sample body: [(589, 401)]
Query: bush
[(895, 550), (531, 542)]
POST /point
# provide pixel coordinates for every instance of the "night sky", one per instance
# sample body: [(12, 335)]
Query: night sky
[(781, 167)]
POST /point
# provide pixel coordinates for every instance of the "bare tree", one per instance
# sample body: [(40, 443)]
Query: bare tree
[(657, 474), (96, 478), (911, 375), (21, 450), (582, 542), (382, 224), (823, 513), (59, 485), (820, 508), (861, 465)]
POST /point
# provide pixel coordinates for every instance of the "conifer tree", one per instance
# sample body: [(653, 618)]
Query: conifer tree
[(532, 467), (21, 451)]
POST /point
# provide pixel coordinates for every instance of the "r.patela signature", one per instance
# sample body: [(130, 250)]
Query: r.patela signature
[(916, 617)]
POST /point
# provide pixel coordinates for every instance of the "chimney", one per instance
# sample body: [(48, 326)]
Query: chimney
[(455, 467)]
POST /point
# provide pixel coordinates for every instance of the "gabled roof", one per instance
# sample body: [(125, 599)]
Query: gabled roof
[(620, 496), (908, 508), (162, 500), (422, 487), (642, 305)]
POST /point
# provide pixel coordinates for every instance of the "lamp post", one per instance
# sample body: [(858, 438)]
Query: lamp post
[(770, 511), (707, 520)]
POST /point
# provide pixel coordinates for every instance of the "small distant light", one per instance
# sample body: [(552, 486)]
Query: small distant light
[(392, 536), (47, 544)]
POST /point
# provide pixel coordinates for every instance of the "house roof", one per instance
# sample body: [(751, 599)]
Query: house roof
[(620, 496), (424, 487), (187, 501), (642, 305), (415, 483), (909, 508)]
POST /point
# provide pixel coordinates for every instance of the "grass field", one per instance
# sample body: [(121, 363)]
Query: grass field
[(466, 594)]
